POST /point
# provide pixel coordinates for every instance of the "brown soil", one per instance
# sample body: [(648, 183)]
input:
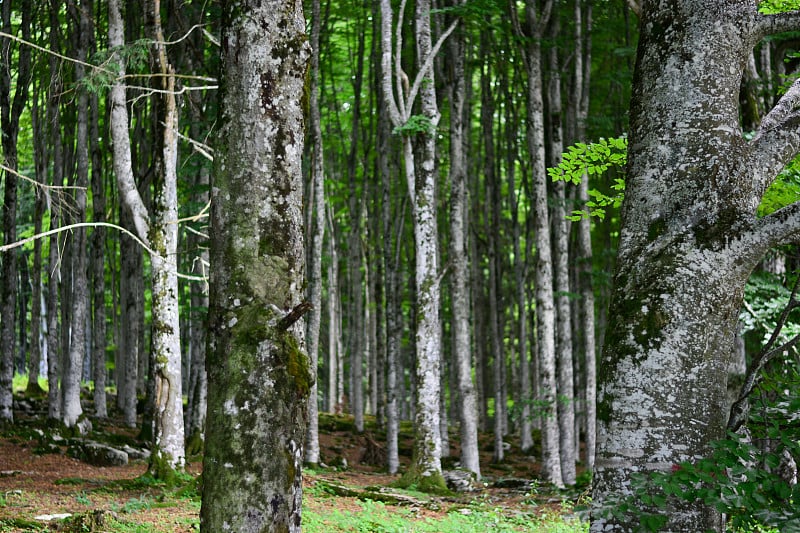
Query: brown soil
[(33, 484)]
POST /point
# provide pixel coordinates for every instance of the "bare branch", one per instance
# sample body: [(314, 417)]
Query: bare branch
[(777, 141), (777, 23), (294, 315), (738, 412), (70, 227), (412, 95), (787, 104), (776, 229)]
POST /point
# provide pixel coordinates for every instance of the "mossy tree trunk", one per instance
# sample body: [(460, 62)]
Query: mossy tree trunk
[(689, 240), (259, 377), (168, 431)]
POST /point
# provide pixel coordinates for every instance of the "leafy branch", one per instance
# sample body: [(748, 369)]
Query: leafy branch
[(582, 160)]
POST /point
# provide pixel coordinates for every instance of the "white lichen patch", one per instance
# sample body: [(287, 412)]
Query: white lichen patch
[(230, 408)]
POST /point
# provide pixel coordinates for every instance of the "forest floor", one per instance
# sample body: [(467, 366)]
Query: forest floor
[(40, 484)]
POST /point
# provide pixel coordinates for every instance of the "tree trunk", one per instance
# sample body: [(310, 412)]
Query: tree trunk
[(689, 240), (98, 269), (9, 123), (565, 374), (71, 376), (54, 92), (459, 277), (582, 70), (317, 213), (543, 278), (258, 371), (40, 164), (168, 436)]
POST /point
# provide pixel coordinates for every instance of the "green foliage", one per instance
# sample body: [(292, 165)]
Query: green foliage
[(415, 124), (377, 517), (784, 190), (110, 62), (766, 297), (777, 6), (593, 159)]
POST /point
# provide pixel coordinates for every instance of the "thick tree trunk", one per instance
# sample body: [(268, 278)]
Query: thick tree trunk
[(688, 243), (258, 371)]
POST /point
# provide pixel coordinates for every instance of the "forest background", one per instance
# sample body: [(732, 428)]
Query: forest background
[(509, 97)]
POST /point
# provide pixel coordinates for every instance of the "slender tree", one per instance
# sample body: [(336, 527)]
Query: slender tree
[(459, 281), (11, 108), (317, 207)]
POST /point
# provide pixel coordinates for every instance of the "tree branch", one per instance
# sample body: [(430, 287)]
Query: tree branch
[(777, 23), (386, 63), (738, 412), (428, 64), (777, 141), (776, 229), (634, 6), (294, 315)]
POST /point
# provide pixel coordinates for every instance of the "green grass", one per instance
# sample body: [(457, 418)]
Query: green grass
[(375, 517)]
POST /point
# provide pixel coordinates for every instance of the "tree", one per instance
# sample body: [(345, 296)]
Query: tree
[(258, 373), (426, 468), (535, 23), (459, 280), (11, 108), (690, 238), (317, 235), (160, 235)]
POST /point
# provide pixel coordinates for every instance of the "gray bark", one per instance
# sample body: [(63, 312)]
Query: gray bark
[(689, 240), (459, 277), (11, 109), (168, 435), (317, 209), (565, 373), (258, 371), (98, 270), (582, 71), (53, 259), (536, 21), (71, 375)]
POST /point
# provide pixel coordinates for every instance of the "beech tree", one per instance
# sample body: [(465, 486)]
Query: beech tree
[(690, 238), (258, 372), (160, 233)]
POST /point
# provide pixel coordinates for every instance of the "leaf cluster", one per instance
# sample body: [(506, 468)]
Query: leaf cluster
[(110, 62), (582, 160), (416, 124)]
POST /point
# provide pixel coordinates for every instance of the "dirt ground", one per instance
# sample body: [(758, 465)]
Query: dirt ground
[(35, 484)]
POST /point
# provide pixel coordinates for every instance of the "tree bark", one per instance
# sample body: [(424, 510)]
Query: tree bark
[(565, 372), (689, 240), (168, 452), (11, 110), (536, 21), (317, 208), (459, 278), (258, 371)]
